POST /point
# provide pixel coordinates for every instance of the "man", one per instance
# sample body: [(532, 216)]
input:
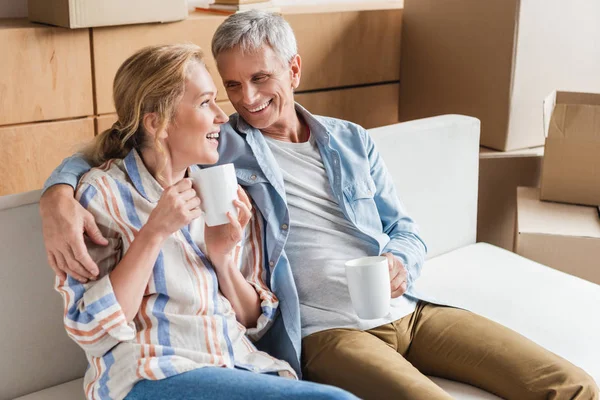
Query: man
[(327, 197)]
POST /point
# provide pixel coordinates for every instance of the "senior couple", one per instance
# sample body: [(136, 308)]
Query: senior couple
[(166, 307)]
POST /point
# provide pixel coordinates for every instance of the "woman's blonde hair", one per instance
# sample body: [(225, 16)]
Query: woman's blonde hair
[(150, 81)]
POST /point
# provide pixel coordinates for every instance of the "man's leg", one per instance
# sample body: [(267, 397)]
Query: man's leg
[(463, 346), (366, 364), (212, 383)]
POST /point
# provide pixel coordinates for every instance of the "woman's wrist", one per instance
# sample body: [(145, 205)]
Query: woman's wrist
[(152, 235)]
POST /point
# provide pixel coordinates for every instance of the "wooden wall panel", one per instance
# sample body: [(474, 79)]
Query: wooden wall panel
[(369, 106), (45, 72), (348, 48), (30, 152)]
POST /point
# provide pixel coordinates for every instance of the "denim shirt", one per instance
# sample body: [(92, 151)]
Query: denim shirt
[(359, 181)]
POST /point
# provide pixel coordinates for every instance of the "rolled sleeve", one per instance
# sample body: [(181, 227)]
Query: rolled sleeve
[(93, 317), (68, 172)]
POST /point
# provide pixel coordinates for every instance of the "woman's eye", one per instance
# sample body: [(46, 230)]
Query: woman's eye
[(205, 103)]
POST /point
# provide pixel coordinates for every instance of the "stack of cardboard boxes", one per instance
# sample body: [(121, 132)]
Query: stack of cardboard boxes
[(498, 60), (559, 224)]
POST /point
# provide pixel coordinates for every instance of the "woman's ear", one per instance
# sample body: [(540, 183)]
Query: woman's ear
[(151, 126)]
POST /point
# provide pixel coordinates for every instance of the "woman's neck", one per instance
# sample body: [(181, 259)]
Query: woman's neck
[(161, 166)]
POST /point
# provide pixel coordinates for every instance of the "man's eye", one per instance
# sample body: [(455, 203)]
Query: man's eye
[(259, 78), (232, 85)]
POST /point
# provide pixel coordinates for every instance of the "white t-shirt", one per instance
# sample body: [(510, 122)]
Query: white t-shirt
[(320, 241)]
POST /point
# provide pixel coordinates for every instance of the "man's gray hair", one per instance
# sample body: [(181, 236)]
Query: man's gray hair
[(250, 30)]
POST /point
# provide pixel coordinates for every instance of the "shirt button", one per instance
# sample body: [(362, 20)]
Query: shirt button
[(253, 177), (284, 227), (271, 263)]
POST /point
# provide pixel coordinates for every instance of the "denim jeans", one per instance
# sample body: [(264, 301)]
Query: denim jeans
[(232, 384)]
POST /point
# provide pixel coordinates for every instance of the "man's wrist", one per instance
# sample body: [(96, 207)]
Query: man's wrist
[(54, 194)]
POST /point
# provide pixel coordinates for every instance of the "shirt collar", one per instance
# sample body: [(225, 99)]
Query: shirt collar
[(316, 127), (143, 181)]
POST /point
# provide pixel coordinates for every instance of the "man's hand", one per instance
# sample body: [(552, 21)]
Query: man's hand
[(397, 275), (64, 221)]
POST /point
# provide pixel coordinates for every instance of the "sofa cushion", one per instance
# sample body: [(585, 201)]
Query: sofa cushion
[(554, 309), (72, 390)]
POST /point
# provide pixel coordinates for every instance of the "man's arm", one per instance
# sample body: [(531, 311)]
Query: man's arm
[(64, 221), (405, 243)]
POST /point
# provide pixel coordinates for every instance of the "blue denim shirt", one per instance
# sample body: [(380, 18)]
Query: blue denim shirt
[(359, 181)]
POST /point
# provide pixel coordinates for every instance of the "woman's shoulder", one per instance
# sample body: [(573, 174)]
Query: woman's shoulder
[(106, 174)]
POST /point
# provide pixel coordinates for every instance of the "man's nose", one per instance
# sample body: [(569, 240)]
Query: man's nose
[(249, 92)]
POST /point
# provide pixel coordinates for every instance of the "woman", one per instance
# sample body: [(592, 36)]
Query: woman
[(168, 315)]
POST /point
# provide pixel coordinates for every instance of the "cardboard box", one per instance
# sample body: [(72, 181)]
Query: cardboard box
[(563, 236), (496, 60), (500, 173), (348, 48), (89, 13), (30, 152), (571, 172), (46, 73), (349, 104), (326, 43)]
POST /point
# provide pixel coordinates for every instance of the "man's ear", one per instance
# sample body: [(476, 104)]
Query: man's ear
[(296, 70), (151, 126)]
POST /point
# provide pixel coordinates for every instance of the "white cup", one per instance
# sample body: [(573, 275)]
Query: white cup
[(217, 188), (369, 286)]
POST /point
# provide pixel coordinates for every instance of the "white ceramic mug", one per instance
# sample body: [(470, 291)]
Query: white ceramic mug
[(217, 188), (369, 286)]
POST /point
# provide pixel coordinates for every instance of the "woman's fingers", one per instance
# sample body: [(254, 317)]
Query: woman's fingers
[(193, 203), (236, 231), (243, 196), (244, 213), (187, 194)]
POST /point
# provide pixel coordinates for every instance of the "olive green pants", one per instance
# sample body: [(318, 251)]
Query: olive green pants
[(391, 361)]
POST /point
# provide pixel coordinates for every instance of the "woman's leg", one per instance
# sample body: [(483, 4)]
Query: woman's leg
[(213, 383)]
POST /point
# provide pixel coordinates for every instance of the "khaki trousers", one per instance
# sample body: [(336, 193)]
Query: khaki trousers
[(391, 361)]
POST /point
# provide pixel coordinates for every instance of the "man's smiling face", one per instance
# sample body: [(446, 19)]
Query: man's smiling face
[(260, 85)]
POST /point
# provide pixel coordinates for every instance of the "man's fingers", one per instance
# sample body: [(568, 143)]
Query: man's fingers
[(91, 229), (57, 271), (75, 267), (80, 253), (62, 265)]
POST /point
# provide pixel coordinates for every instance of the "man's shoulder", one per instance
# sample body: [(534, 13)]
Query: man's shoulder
[(339, 126)]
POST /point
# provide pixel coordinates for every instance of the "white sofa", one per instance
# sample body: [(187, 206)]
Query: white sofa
[(434, 162)]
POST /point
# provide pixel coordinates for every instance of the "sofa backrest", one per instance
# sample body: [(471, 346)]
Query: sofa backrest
[(36, 352), (434, 163)]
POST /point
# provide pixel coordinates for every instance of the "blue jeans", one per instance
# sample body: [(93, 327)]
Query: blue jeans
[(232, 384)]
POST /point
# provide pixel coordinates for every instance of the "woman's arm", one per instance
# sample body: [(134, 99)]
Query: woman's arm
[(98, 314)]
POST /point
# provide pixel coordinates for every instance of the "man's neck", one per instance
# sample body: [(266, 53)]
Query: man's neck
[(294, 130)]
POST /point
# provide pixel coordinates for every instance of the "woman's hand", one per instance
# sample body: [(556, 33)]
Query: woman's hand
[(221, 239), (177, 207)]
